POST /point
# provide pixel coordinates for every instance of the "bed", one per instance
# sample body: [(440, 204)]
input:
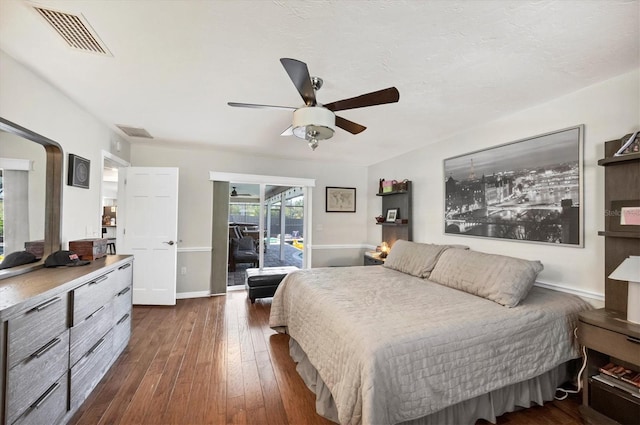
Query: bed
[(382, 346)]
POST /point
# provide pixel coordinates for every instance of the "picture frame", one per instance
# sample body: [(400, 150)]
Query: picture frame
[(528, 190), (392, 215), (340, 199), (78, 171), (624, 216)]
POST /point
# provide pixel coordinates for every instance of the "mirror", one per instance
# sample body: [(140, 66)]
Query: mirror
[(31, 167)]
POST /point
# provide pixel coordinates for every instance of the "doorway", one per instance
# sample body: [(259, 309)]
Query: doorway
[(111, 165), (221, 228)]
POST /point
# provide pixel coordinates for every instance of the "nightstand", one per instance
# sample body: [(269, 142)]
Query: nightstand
[(608, 338), (372, 258)]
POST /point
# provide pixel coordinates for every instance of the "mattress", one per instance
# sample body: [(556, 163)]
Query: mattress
[(391, 347)]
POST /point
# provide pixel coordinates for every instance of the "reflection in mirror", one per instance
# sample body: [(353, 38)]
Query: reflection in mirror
[(22, 197), (30, 195)]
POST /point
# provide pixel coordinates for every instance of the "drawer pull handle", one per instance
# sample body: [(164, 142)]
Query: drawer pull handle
[(45, 396), (123, 318), (124, 291), (94, 313), (46, 304), (126, 266), (633, 340), (96, 346), (49, 345), (98, 280)]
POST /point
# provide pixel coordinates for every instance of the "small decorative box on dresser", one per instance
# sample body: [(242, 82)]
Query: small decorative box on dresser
[(61, 330), (89, 249)]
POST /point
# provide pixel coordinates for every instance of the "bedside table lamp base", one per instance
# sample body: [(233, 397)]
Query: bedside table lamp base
[(629, 270)]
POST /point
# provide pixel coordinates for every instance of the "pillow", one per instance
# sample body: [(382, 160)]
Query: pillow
[(246, 243), (416, 259), (505, 280)]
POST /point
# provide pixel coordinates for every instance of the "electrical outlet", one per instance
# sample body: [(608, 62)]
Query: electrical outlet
[(183, 270)]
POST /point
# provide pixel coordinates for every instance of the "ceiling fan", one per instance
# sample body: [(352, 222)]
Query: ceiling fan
[(234, 192), (313, 121)]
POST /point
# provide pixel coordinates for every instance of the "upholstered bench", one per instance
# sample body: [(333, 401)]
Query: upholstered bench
[(262, 283)]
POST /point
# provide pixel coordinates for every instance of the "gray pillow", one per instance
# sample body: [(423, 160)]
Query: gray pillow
[(416, 259), (505, 280)]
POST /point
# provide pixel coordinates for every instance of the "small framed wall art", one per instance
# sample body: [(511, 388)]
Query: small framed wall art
[(392, 215), (340, 199), (78, 171)]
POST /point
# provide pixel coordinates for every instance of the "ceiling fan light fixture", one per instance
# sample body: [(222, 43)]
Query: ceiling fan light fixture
[(313, 122)]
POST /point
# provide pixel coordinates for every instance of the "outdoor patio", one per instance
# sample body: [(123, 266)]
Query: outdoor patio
[(292, 257)]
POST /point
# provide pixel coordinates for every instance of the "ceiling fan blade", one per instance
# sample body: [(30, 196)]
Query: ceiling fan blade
[(299, 74), (288, 131), (379, 97), (350, 126), (257, 106)]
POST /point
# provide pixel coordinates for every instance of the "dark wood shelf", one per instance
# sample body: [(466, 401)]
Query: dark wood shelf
[(617, 159), (612, 320), (392, 224), (632, 235), (397, 192)]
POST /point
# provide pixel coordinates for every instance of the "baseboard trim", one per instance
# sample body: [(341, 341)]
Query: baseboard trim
[(579, 292), (196, 294), (195, 249)]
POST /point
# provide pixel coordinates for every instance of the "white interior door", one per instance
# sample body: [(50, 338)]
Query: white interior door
[(149, 231)]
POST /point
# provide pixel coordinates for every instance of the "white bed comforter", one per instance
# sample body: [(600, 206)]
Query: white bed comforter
[(392, 347)]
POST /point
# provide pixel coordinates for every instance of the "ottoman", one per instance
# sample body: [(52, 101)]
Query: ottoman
[(263, 283)]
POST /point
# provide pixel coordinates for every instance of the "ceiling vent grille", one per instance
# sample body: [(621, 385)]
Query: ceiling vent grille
[(135, 132), (75, 31)]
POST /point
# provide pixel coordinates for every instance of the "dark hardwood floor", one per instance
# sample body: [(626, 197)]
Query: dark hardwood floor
[(214, 361)]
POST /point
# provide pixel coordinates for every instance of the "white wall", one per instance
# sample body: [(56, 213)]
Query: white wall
[(331, 231), (609, 110), (33, 103)]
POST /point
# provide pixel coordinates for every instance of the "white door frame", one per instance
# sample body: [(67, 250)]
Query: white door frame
[(263, 181)]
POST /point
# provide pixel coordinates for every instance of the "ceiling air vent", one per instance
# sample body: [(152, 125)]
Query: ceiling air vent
[(75, 30), (135, 132)]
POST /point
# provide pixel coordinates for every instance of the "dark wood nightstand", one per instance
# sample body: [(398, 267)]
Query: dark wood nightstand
[(609, 338), (373, 259)]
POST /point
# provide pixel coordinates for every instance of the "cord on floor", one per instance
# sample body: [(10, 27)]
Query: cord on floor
[(562, 393)]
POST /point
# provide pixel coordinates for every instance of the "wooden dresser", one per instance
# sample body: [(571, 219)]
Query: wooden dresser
[(61, 330)]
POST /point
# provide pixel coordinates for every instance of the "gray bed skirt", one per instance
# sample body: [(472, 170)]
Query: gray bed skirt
[(487, 406)]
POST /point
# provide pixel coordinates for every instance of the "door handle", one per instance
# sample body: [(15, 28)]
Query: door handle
[(170, 243)]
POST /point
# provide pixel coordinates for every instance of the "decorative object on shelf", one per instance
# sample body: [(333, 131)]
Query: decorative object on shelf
[(630, 144), (401, 186), (340, 199), (380, 219), (629, 270), (624, 216), (78, 171), (528, 190), (380, 185), (384, 250), (392, 215), (387, 186)]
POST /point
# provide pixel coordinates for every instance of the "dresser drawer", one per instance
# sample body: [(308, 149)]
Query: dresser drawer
[(613, 343), (35, 327), (50, 407), (30, 378), (90, 369), (124, 276), (91, 296), (122, 303), (85, 334), (121, 333)]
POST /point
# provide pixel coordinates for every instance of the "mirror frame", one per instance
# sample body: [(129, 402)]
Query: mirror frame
[(53, 197)]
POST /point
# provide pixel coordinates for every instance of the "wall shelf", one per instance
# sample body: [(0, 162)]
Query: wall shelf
[(633, 235), (400, 199), (618, 159)]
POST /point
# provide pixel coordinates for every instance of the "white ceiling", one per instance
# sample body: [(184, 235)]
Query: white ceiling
[(457, 64)]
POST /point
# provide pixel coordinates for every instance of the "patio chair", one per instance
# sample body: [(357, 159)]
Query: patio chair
[(243, 250)]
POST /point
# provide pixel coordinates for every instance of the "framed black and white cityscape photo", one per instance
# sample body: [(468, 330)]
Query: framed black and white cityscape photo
[(527, 190)]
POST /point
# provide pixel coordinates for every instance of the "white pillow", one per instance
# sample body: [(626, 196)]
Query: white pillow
[(505, 280), (416, 259)]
